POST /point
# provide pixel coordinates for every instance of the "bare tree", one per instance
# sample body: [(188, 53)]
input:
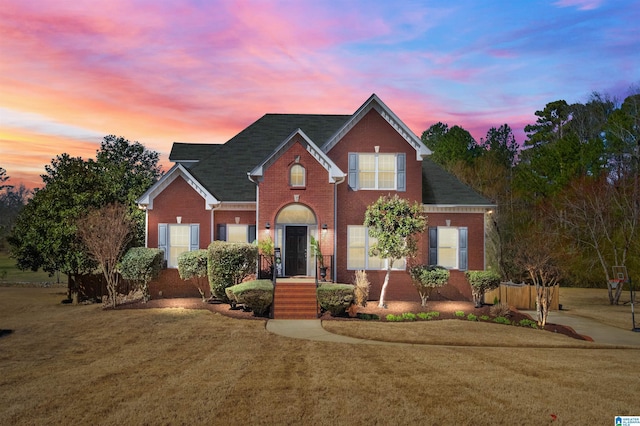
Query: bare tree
[(106, 232)]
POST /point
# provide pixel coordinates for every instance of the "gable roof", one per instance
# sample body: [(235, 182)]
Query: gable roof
[(146, 200), (191, 152), (441, 188), (224, 171), (335, 174), (374, 102)]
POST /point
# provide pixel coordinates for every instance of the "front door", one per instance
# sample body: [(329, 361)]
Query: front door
[(295, 257)]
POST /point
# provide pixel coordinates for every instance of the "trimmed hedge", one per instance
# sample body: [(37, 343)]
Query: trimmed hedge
[(229, 264), (141, 265), (427, 278), (256, 295), (192, 265), (480, 282), (336, 298)]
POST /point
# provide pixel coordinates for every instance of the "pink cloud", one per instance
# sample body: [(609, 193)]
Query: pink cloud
[(580, 4)]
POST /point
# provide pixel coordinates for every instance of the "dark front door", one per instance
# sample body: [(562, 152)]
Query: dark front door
[(295, 258)]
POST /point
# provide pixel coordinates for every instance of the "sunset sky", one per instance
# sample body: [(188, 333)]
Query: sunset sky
[(154, 71)]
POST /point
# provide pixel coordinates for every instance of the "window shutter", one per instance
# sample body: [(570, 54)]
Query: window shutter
[(162, 240), (251, 231), (462, 249), (433, 245), (194, 237), (353, 171), (222, 233), (401, 160)]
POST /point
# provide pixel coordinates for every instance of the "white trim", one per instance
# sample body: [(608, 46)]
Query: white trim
[(335, 174), (178, 170), (452, 208), (374, 102)]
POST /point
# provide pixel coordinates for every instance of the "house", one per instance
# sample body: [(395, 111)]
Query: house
[(291, 177)]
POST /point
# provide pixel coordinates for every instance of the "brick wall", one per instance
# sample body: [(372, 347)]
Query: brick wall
[(179, 199)]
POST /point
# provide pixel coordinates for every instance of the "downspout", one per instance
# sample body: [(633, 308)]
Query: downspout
[(213, 221), (335, 226), (255, 182)]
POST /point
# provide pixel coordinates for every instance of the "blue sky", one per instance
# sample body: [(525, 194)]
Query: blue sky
[(200, 71)]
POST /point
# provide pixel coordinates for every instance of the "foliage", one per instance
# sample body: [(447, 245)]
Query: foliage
[(480, 282), (502, 320), (105, 232), (367, 317), (450, 146), (45, 233), (362, 286), (395, 224), (394, 318), (472, 317), (484, 317), (459, 313), (527, 323), (335, 298), (141, 265), (500, 310), (192, 265), (256, 295), (426, 278), (266, 249), (12, 200), (229, 264), (409, 316), (316, 251)]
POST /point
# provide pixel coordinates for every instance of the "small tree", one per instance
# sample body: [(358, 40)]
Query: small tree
[(395, 223), (362, 285), (106, 232), (481, 281), (192, 265), (427, 278), (141, 265)]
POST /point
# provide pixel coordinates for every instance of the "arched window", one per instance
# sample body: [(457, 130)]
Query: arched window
[(297, 175)]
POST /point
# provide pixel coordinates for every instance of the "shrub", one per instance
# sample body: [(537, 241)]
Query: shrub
[(335, 298), (459, 313), (192, 265), (256, 295), (362, 286), (141, 265), (229, 264), (472, 317), (394, 318), (528, 323), (502, 320), (367, 317), (484, 317), (409, 316), (500, 310), (427, 278), (480, 282)]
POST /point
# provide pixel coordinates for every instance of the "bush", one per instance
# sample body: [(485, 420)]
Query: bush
[(484, 317), (335, 298), (472, 317), (409, 316), (229, 264), (192, 265), (528, 323), (256, 295), (428, 315), (427, 278), (362, 285), (500, 310), (480, 282), (367, 317), (394, 318), (502, 320), (459, 314), (141, 265)]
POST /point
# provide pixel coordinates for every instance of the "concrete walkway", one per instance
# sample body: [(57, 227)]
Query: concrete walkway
[(600, 333)]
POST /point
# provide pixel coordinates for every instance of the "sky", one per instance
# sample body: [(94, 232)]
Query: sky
[(157, 72)]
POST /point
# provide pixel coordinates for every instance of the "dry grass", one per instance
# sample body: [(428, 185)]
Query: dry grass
[(82, 365), (594, 303)]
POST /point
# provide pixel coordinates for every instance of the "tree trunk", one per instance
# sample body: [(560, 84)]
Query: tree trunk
[(423, 297), (381, 304)]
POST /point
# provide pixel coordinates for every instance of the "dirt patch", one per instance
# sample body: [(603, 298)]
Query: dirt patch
[(447, 310)]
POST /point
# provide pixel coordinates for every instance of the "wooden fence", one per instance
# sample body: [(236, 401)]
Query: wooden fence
[(520, 296)]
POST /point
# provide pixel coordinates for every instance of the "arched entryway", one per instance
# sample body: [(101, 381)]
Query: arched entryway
[(295, 224)]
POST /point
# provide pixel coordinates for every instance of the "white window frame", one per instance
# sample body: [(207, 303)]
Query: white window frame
[(172, 257), (399, 264), (376, 171), (455, 247), (303, 175), (240, 230)]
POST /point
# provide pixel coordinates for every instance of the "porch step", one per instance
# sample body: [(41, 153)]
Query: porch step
[(295, 300)]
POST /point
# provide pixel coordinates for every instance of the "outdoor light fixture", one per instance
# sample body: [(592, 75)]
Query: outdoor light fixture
[(324, 228), (179, 219), (267, 225)]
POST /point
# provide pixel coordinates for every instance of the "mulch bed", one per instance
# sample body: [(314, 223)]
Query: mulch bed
[(446, 309)]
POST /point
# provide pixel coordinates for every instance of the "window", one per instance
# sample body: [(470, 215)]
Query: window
[(297, 175), (377, 171), (358, 244), (234, 233), (175, 239), (448, 247)]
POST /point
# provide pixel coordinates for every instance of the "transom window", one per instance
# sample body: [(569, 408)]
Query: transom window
[(358, 244), (297, 175)]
